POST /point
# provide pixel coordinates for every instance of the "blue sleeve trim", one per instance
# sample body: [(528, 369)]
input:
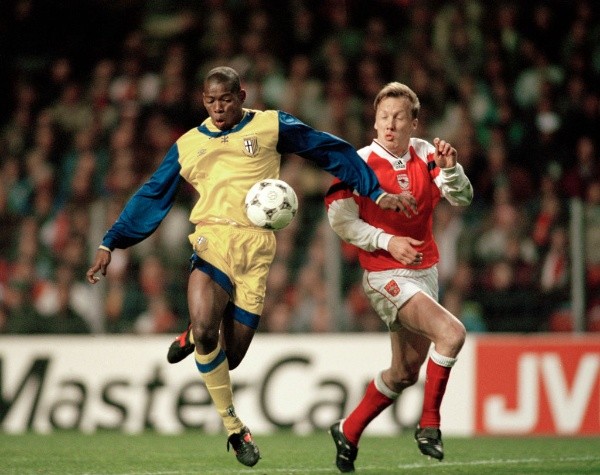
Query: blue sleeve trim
[(208, 367), (146, 209), (329, 152)]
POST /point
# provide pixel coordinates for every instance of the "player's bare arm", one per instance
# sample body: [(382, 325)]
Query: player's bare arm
[(403, 249), (445, 153), (101, 262), (404, 202)]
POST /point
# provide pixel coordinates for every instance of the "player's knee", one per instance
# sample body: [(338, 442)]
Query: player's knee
[(457, 335), (205, 336), (452, 338)]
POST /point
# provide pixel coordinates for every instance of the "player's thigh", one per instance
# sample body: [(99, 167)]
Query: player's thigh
[(207, 301), (426, 317)]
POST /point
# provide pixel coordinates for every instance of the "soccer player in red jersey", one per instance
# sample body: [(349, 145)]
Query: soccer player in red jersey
[(399, 256)]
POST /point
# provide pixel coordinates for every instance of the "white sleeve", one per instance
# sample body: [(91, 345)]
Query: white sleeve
[(455, 185), (344, 219)]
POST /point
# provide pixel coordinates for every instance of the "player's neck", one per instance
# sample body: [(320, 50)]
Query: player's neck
[(393, 150)]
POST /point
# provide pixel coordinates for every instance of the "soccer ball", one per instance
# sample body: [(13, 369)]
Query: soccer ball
[(271, 204)]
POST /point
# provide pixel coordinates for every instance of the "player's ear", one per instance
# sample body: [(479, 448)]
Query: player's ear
[(242, 95), (415, 123)]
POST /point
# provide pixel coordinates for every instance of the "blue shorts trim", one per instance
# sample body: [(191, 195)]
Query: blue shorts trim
[(246, 318), (215, 274), (208, 367), (240, 315)]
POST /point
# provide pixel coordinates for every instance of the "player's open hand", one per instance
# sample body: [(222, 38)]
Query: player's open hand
[(403, 249), (445, 153), (404, 202), (101, 262)]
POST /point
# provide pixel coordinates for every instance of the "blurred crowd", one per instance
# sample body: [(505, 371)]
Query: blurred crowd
[(95, 92)]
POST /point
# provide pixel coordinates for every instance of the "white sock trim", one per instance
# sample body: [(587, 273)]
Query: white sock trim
[(441, 360), (382, 387)]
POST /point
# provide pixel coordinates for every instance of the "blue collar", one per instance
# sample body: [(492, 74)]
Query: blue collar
[(248, 116)]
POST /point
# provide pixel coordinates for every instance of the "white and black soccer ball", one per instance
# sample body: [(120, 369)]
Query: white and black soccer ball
[(271, 204)]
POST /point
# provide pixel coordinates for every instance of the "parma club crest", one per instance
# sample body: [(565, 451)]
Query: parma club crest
[(251, 147)]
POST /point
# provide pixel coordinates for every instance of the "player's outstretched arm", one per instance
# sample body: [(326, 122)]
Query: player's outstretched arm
[(404, 202), (101, 262)]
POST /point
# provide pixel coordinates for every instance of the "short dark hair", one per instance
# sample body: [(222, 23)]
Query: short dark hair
[(225, 75)]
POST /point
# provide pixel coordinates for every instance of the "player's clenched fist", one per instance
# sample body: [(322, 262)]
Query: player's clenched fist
[(445, 153), (404, 202)]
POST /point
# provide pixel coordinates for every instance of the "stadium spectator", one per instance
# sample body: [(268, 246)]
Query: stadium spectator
[(500, 173), (504, 236), (507, 307), (278, 284), (468, 312), (360, 315), (18, 299), (56, 307), (400, 256), (555, 266), (310, 312), (450, 231), (592, 242), (583, 170), (457, 37)]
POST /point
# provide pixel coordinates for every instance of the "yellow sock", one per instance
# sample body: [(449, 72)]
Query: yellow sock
[(214, 370)]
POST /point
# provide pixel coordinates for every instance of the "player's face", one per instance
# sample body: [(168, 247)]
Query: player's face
[(394, 124), (223, 106)]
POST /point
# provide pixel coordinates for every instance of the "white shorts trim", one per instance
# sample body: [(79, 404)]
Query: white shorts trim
[(389, 290)]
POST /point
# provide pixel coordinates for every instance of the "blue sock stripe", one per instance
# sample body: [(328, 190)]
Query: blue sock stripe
[(208, 367), (215, 274), (247, 318)]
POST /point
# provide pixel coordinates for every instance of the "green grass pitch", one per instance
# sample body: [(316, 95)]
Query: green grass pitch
[(66, 453)]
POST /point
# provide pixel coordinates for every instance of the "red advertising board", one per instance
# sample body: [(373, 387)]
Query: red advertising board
[(538, 385)]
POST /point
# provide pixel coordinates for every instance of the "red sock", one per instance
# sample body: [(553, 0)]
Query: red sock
[(435, 387), (371, 405)]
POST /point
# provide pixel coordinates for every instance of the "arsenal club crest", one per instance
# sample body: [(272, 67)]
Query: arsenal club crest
[(392, 288), (403, 181)]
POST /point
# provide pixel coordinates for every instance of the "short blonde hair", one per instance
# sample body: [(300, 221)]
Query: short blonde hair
[(397, 89)]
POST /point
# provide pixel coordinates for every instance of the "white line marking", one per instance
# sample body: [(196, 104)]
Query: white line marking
[(498, 462), (432, 465)]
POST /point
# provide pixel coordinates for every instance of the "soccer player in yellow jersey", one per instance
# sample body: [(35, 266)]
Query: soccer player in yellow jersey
[(222, 158)]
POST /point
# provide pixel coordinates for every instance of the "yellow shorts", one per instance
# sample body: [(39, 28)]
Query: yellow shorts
[(239, 260)]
